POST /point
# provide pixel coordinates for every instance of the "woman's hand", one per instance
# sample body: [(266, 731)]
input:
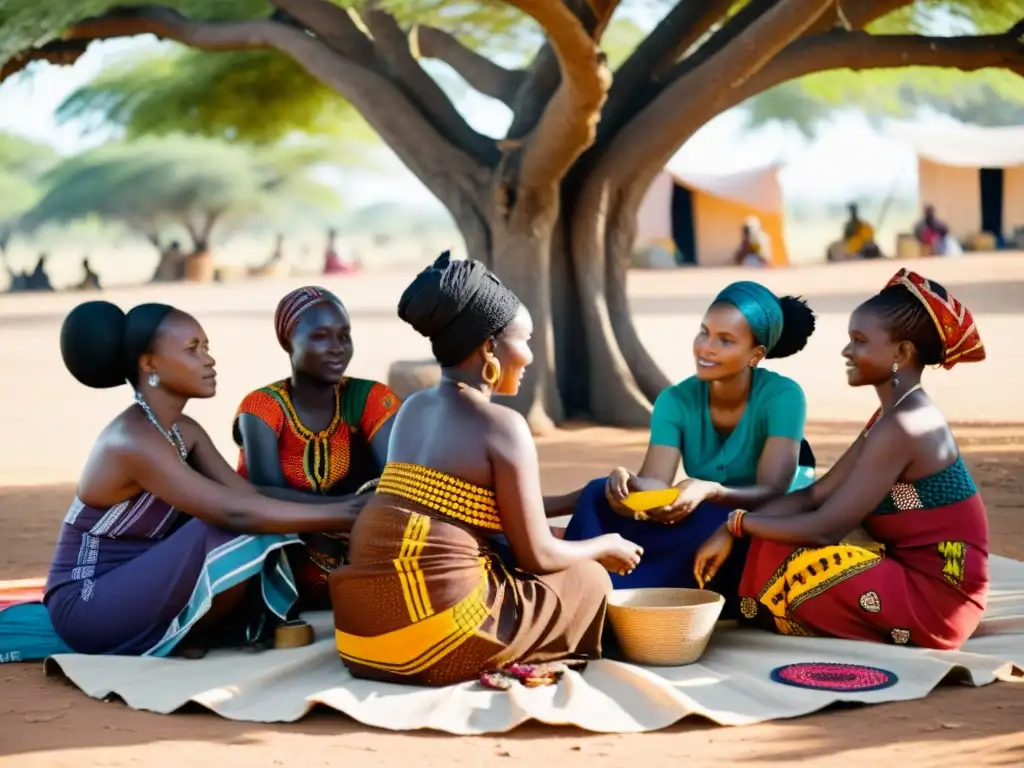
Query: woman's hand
[(691, 494), (621, 482), (620, 556), (711, 555)]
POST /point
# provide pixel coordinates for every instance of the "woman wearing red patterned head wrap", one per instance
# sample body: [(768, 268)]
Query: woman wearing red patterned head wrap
[(903, 479), (318, 434)]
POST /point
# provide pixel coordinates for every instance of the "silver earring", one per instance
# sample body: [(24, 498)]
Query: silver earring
[(154, 379), (895, 378)]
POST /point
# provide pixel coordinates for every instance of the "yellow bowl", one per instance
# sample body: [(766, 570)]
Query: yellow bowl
[(664, 627), (644, 501)]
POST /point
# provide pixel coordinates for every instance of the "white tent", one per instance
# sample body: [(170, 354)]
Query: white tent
[(701, 215), (973, 176)]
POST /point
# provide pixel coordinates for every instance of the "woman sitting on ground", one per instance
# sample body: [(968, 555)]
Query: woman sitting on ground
[(903, 479), (425, 600), (165, 546), (318, 435), (737, 427)]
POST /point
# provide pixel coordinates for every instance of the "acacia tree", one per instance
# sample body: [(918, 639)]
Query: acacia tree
[(552, 205), (22, 163), (185, 183)]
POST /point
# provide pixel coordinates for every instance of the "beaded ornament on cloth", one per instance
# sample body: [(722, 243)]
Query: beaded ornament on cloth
[(443, 493)]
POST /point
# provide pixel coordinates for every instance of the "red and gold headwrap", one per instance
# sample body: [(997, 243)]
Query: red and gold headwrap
[(961, 342), (291, 307)]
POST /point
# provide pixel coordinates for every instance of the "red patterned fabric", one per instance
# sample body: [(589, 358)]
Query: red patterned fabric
[(286, 317), (961, 341)]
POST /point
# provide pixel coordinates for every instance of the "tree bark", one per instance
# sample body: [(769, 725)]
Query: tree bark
[(521, 257)]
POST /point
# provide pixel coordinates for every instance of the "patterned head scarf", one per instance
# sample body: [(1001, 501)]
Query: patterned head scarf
[(961, 342), (759, 306), (291, 307)]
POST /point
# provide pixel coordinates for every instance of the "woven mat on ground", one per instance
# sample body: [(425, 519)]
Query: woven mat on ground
[(730, 685)]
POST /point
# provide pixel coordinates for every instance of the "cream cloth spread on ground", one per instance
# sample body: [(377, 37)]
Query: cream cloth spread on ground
[(730, 685)]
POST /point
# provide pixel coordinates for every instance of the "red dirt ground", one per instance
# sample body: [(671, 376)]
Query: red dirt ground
[(45, 723)]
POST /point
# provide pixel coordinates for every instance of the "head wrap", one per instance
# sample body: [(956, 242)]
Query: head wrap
[(101, 345), (961, 341), (458, 304), (759, 306), (291, 307)]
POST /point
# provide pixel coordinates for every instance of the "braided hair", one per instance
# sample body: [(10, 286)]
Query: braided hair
[(906, 318)]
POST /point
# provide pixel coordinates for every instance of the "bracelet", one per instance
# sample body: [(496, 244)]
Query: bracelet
[(734, 523)]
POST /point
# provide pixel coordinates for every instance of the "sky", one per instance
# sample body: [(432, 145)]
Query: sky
[(847, 159)]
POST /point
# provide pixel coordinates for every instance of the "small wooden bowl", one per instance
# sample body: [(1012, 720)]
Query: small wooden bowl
[(293, 634)]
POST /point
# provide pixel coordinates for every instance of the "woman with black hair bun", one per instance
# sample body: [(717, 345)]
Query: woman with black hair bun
[(903, 480), (737, 429), (165, 548)]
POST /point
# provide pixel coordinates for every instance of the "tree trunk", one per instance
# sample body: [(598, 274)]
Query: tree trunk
[(521, 257), (558, 257)]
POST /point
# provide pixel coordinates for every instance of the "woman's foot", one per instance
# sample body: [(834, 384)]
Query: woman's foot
[(191, 650)]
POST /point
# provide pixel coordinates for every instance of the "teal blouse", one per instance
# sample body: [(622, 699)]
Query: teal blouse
[(682, 420)]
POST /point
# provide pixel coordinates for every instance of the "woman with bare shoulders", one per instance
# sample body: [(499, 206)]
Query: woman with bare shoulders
[(425, 599), (165, 547), (903, 479)]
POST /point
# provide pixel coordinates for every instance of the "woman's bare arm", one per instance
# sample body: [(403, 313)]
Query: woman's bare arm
[(775, 470), (151, 463), (816, 494), (516, 472), (880, 462)]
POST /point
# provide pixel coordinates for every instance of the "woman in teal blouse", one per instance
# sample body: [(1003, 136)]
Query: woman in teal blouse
[(737, 428)]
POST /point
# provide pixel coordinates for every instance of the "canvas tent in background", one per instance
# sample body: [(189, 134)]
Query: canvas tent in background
[(703, 214), (973, 176)]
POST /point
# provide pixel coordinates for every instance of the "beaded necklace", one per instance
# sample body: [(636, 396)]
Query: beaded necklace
[(173, 437)]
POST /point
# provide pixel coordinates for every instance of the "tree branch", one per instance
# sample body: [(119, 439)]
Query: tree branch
[(393, 45), (542, 78), (543, 75), (449, 172), (332, 24), (478, 71), (646, 143), (855, 13), (860, 51), (684, 25), (568, 124)]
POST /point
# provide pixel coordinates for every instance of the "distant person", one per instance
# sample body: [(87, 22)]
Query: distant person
[(934, 235), (90, 280), (858, 240), (38, 280), (755, 245), (318, 435), (171, 267), (336, 263)]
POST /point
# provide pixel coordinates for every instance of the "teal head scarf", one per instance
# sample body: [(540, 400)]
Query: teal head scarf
[(761, 308)]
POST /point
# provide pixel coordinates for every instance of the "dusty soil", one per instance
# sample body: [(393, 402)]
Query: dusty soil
[(45, 723)]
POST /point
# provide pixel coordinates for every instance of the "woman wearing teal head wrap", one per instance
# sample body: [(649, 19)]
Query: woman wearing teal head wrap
[(737, 428)]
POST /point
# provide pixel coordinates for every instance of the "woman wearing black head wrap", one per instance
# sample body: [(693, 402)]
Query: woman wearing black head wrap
[(425, 600), (163, 538)]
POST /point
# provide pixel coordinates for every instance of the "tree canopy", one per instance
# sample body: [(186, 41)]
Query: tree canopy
[(189, 183), (22, 162), (552, 204)]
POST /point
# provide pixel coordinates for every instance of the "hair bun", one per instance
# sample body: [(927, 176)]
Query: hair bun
[(90, 344), (798, 323)]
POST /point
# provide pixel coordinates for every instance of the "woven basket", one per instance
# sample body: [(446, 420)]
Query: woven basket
[(664, 627)]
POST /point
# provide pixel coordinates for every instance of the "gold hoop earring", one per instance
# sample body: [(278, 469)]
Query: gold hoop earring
[(492, 371)]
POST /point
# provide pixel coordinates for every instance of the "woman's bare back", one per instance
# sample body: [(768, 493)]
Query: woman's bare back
[(449, 429)]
